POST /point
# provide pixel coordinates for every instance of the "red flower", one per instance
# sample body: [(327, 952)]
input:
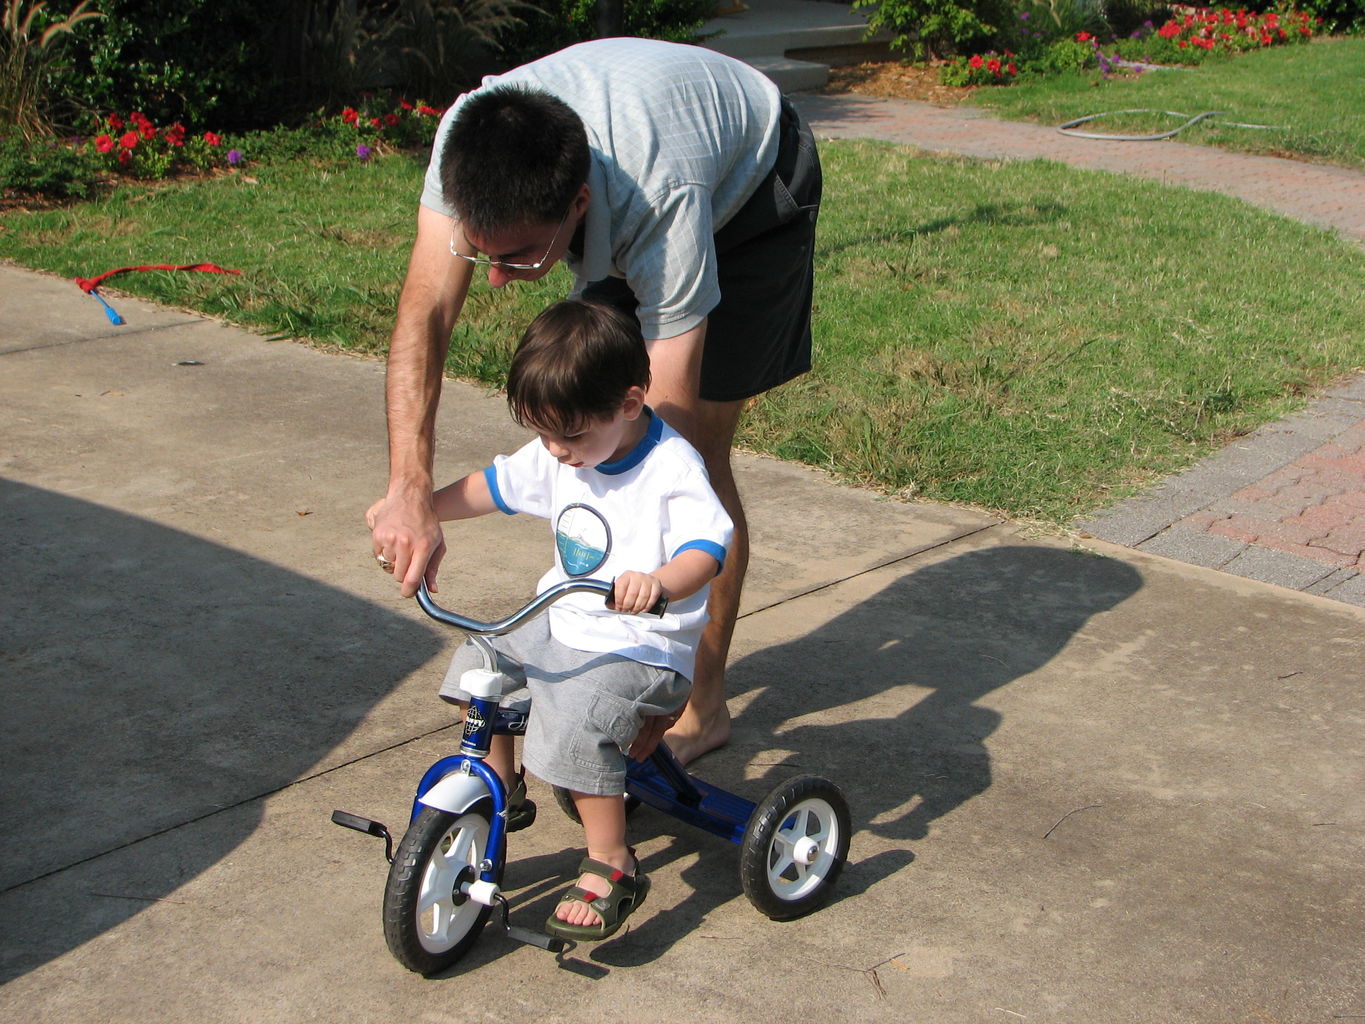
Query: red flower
[(115, 122), (976, 61), (1011, 69), (376, 123), (390, 119), (175, 135), (104, 144), (212, 139), (405, 104), (148, 130), (129, 140), (124, 156), (429, 111), (993, 66), (1083, 37), (350, 115)]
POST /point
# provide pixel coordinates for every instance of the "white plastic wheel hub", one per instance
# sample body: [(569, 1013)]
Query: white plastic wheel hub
[(805, 850)]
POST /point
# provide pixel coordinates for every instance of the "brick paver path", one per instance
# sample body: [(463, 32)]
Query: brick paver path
[(1287, 504), (1327, 196)]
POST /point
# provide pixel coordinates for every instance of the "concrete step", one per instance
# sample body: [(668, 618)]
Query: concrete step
[(789, 40), (791, 75)]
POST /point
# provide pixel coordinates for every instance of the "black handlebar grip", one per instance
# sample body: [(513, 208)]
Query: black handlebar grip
[(659, 608)]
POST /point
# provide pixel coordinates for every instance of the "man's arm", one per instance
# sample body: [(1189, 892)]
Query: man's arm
[(403, 522)]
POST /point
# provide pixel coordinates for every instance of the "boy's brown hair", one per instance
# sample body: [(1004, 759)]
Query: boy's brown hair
[(575, 364)]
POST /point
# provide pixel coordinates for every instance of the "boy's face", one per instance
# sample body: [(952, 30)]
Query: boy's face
[(594, 442)]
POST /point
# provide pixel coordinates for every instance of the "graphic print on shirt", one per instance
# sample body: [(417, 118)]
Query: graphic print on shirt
[(583, 540)]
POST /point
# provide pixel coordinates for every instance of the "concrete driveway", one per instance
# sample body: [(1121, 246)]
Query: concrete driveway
[(1088, 784)]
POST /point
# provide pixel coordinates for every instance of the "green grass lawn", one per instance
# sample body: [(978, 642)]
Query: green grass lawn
[(1027, 338), (1314, 95)]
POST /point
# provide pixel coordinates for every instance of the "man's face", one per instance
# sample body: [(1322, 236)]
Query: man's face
[(526, 252)]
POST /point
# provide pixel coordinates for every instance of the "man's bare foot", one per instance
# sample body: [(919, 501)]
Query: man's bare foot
[(698, 732)]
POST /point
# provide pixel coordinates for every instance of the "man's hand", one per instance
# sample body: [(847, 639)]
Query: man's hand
[(636, 592), (407, 540)]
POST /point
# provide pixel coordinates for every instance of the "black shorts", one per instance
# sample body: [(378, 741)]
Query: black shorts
[(759, 335)]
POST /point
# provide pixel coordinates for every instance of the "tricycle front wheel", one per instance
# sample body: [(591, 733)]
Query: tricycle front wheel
[(429, 923), (794, 847)]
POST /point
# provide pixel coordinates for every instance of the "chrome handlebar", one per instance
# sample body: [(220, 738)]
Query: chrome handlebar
[(537, 605)]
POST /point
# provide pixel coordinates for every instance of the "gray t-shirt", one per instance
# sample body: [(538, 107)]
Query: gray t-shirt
[(680, 137)]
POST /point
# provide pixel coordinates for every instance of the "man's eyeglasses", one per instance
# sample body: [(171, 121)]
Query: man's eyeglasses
[(507, 264)]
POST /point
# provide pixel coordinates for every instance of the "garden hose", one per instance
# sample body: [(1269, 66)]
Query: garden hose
[(1193, 119)]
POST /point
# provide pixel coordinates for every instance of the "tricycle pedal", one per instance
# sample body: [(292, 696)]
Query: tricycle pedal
[(552, 943), (367, 825), (540, 940)]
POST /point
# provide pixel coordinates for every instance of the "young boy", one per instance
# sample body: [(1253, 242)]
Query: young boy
[(628, 499)]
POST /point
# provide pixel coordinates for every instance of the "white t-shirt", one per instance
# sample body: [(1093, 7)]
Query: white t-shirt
[(632, 514), (679, 137)]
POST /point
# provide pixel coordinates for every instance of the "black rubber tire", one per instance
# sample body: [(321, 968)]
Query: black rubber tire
[(417, 936), (805, 808)]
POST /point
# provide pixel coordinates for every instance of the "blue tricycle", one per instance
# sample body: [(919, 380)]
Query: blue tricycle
[(444, 880)]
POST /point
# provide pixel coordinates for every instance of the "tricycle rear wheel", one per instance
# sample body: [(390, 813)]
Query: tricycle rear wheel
[(794, 847)]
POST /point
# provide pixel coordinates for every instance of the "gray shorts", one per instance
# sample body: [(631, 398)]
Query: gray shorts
[(585, 708)]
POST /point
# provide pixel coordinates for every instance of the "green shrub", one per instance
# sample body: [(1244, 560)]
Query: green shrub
[(929, 28), (1338, 16), (45, 167), (241, 64), (554, 24)]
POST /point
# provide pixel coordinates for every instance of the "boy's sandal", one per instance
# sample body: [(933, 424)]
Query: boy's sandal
[(520, 811), (624, 894)]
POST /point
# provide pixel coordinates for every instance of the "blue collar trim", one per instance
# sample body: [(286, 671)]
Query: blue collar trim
[(637, 454)]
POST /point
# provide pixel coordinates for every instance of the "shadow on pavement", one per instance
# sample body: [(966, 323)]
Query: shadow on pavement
[(950, 634), (920, 655), (153, 679)]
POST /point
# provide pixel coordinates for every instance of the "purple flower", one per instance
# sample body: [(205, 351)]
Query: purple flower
[(1023, 16), (234, 157), (363, 151)]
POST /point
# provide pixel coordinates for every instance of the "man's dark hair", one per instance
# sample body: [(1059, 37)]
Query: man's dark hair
[(575, 364), (513, 156)]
